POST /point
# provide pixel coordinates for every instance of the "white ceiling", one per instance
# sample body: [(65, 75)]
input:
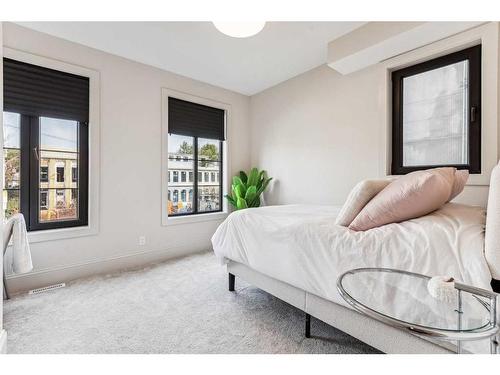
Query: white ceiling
[(197, 50)]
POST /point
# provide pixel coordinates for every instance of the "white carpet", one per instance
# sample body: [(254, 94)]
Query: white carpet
[(181, 306)]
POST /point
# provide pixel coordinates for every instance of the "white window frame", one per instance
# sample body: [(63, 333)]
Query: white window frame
[(172, 220), (94, 144)]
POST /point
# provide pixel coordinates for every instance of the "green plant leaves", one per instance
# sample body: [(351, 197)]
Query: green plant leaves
[(246, 189), (239, 191), (243, 177), (253, 177), (251, 193), (230, 199), (238, 182), (241, 203)]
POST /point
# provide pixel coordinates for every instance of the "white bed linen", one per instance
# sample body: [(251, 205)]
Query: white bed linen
[(301, 245)]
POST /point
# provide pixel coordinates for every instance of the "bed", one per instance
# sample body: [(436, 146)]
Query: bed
[(296, 253)]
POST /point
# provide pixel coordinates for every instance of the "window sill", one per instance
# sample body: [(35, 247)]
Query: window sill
[(61, 234), (195, 218)]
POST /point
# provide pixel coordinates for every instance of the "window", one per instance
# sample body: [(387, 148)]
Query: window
[(74, 173), (42, 140), (196, 133), (60, 174), (176, 176), (44, 199), (437, 113), (44, 174)]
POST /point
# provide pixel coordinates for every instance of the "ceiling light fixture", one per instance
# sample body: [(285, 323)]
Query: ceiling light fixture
[(239, 29)]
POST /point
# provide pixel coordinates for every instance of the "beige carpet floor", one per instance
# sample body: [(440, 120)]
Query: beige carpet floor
[(180, 306)]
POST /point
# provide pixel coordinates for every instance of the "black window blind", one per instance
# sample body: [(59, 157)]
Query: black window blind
[(37, 91), (195, 120)]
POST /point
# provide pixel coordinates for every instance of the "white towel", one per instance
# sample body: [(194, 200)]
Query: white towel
[(21, 254)]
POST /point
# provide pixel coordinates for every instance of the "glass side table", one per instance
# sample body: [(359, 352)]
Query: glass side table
[(401, 299)]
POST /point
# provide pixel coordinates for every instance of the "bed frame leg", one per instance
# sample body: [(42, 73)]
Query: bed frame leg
[(308, 325), (231, 282)]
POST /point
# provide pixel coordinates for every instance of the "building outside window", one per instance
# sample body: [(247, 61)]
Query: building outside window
[(50, 136), (197, 156)]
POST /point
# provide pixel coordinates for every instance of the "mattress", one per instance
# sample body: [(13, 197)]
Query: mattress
[(302, 246)]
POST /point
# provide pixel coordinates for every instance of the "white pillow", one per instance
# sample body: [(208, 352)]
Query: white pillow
[(359, 196), (492, 234)]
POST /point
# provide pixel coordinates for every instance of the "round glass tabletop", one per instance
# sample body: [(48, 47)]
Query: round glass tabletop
[(401, 299)]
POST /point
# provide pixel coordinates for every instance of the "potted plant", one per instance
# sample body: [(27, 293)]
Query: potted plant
[(247, 189)]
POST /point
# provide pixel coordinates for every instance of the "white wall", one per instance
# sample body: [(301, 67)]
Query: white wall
[(130, 165), (320, 133)]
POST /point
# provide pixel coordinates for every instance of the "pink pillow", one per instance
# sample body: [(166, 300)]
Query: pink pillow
[(461, 177), (410, 196)]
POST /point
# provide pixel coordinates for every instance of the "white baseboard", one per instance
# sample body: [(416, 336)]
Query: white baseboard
[(3, 341), (22, 283)]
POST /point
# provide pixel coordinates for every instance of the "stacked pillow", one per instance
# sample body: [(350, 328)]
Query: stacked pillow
[(359, 196), (373, 203)]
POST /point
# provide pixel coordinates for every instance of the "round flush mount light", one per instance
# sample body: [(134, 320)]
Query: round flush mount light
[(239, 29)]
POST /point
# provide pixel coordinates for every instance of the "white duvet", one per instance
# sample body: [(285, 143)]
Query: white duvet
[(302, 246)]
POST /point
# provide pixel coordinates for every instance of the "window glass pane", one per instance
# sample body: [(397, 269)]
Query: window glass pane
[(44, 174), (58, 204), (180, 199), (208, 198), (12, 168), (57, 134), (435, 116), (180, 147), (11, 202), (11, 130), (58, 196), (44, 199), (209, 186), (12, 163), (208, 150), (181, 174), (60, 172), (74, 172)]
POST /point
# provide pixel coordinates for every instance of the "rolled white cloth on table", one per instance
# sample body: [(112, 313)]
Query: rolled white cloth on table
[(21, 253), (442, 288)]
